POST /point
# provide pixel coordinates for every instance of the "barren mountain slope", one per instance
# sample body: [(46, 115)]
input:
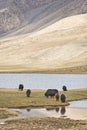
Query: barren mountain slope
[(14, 13), (61, 48), (25, 16)]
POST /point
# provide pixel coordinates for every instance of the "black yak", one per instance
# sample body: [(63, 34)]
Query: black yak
[(64, 88), (28, 92), (21, 87), (63, 98), (51, 92)]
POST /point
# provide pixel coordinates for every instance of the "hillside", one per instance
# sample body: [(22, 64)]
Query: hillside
[(59, 48), (26, 16), (47, 36)]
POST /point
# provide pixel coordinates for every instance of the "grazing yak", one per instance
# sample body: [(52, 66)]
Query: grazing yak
[(28, 92), (63, 98), (57, 96), (21, 87), (51, 92), (64, 88)]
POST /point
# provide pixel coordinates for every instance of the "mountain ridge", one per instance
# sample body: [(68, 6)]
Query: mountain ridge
[(38, 16)]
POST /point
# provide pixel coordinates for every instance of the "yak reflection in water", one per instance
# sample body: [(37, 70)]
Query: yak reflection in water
[(62, 109), (28, 109)]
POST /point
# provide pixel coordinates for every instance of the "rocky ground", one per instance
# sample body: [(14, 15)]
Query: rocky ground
[(45, 124)]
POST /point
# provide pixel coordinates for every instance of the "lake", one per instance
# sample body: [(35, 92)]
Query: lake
[(43, 81)]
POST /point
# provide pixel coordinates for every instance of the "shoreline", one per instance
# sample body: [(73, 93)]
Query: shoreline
[(51, 106)]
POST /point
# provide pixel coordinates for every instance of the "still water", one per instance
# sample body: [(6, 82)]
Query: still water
[(79, 104), (63, 111), (43, 81)]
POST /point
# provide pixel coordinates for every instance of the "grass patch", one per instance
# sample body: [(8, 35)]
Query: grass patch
[(13, 98), (5, 113)]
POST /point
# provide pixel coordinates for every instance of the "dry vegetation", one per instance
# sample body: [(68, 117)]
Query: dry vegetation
[(5, 113)]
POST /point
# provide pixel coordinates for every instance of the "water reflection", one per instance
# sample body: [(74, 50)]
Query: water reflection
[(28, 109), (61, 110), (50, 109), (57, 109)]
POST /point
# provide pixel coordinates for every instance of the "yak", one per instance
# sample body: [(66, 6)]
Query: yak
[(57, 96), (21, 87), (28, 92), (51, 92), (64, 88), (63, 98)]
